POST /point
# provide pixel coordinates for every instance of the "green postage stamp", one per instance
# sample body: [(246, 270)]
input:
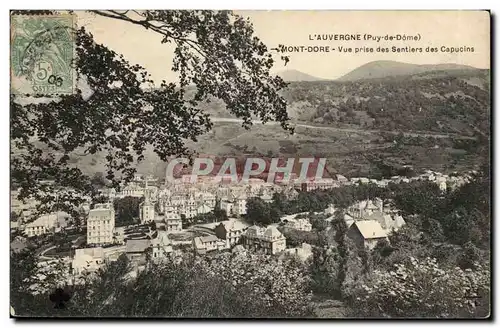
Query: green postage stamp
[(42, 52)]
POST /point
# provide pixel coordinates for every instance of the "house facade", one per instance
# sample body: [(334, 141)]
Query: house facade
[(302, 224), (366, 234), (46, 223), (136, 250), (205, 244), (87, 260), (147, 211), (173, 222), (267, 240), (161, 247), (101, 224), (230, 231)]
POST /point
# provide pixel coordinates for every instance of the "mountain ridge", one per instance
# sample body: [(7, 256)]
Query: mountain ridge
[(375, 69), (388, 68), (293, 75)]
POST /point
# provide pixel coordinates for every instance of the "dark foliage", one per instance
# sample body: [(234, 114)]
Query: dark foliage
[(118, 112), (126, 209)]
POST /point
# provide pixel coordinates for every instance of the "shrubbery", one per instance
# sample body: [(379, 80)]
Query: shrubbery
[(422, 288)]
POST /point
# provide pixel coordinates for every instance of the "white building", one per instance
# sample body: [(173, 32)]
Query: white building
[(131, 190), (147, 212), (366, 233), (101, 224), (206, 198), (268, 240), (173, 222), (321, 184), (441, 182), (146, 208), (230, 231), (227, 206), (208, 243), (46, 223), (302, 224), (161, 246), (365, 207), (87, 260), (240, 206)]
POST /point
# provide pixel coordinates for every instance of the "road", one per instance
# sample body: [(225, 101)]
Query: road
[(353, 130), (42, 253)]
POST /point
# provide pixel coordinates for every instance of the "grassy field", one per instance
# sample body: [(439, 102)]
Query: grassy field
[(347, 153)]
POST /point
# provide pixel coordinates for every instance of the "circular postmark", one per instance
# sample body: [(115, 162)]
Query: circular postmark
[(41, 54)]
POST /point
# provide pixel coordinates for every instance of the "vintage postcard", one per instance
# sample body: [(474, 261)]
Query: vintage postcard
[(250, 164)]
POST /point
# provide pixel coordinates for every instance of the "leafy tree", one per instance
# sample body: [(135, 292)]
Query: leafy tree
[(295, 238), (98, 180), (403, 244), (319, 222), (460, 227), (469, 257), (186, 222), (273, 287), (215, 216), (324, 270), (260, 212), (30, 283), (117, 111), (232, 285), (126, 210), (340, 228), (218, 212), (423, 288), (433, 228), (417, 198), (22, 270), (471, 200), (280, 202)]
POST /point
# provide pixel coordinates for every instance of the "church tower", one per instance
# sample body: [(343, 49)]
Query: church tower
[(147, 209)]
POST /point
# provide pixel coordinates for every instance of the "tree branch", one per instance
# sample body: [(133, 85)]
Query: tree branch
[(161, 29)]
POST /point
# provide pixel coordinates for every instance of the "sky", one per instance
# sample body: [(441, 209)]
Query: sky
[(436, 29)]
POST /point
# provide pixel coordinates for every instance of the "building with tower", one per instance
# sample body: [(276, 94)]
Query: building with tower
[(147, 208)]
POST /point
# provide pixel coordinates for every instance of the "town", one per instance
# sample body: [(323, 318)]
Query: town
[(206, 164), (170, 220)]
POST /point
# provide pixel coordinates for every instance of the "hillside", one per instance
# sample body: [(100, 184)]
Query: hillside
[(455, 101), (386, 68), (353, 154), (442, 101), (293, 75)]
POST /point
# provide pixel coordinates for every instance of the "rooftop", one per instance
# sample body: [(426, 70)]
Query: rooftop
[(273, 232), (137, 245), (233, 224), (207, 239), (370, 229)]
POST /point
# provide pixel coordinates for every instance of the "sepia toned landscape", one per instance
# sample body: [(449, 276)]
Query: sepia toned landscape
[(397, 225)]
